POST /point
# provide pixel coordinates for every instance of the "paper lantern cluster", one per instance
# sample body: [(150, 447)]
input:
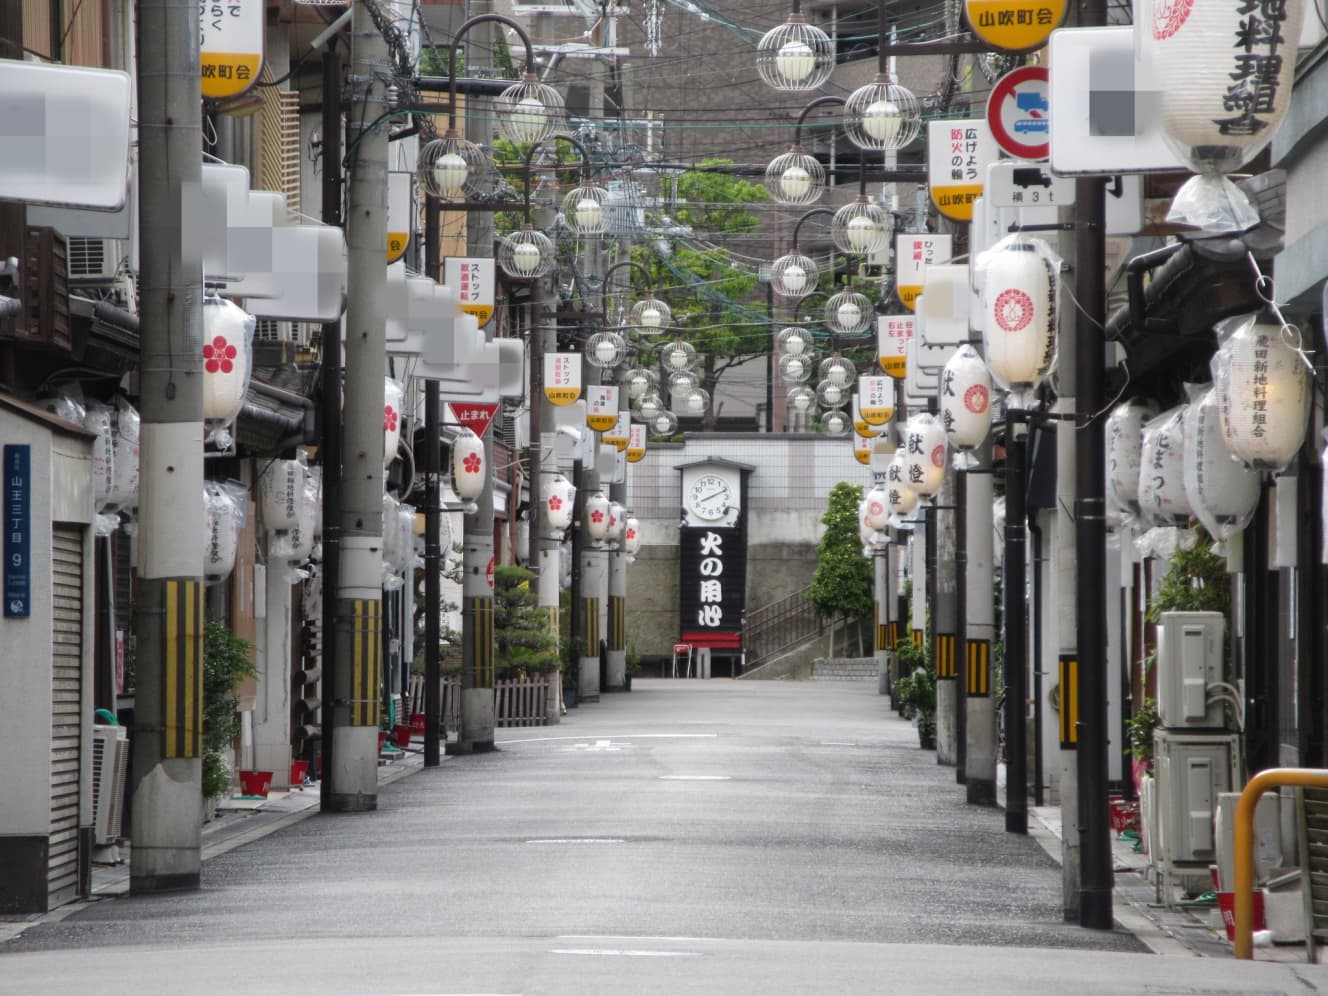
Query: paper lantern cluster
[(1162, 497), (1124, 444), (227, 358), (1021, 281), (1223, 492), (1263, 393)]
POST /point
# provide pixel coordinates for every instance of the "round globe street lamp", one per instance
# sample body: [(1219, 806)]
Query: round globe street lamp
[(849, 313), (796, 275), (796, 55), (796, 177), (527, 254), (861, 226), (650, 315), (882, 115)]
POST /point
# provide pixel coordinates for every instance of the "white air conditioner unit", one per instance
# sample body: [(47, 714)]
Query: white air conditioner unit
[(110, 764), (280, 330), (94, 261)]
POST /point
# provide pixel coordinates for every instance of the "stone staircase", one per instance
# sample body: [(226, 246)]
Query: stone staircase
[(844, 669)]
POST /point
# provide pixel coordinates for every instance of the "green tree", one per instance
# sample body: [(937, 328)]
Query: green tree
[(842, 585), (227, 661), (523, 641)]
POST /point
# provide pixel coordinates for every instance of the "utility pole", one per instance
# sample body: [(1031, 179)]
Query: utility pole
[(1065, 568), (981, 737), (945, 620), (544, 554), (358, 665), (1016, 634), (168, 619), (617, 587), (961, 625), (594, 584), (433, 552)]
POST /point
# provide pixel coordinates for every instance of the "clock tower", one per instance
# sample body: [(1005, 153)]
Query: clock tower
[(712, 561)]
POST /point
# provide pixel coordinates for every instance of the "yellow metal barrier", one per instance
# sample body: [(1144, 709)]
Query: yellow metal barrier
[(1243, 944)]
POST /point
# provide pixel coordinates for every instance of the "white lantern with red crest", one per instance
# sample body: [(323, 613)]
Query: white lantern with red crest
[(1223, 492), (393, 398), (901, 497), (631, 536), (468, 471), (559, 503), (966, 399), (596, 516), (924, 454), (617, 522), (1223, 74), (1124, 444), (228, 341), (1162, 495), (878, 508), (1022, 280), (1263, 391)]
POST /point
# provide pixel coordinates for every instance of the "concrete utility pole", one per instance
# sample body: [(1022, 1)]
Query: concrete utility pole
[(478, 718), (1016, 623), (168, 620), (617, 588), (945, 618), (917, 546), (981, 737), (594, 589), (1064, 571), (358, 664)]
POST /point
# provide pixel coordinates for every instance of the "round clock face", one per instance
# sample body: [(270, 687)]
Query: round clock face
[(710, 497)]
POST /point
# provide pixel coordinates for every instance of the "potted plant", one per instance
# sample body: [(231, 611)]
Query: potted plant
[(633, 665), (570, 652), (227, 661), (916, 691)]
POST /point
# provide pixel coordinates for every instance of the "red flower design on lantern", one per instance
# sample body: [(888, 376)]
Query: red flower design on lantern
[(597, 517), (217, 356), (631, 534), (471, 463), (555, 503), (389, 419)]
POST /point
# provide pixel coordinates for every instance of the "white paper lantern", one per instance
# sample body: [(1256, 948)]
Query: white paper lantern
[(632, 536), (878, 508), (924, 454), (1124, 447), (391, 534), (559, 503), (900, 496), (298, 542), (1262, 394), (1162, 470), (865, 530), (596, 516), (404, 522), (1224, 72), (223, 532), (1223, 493), (617, 522), (1019, 313), (393, 396), (98, 419), (281, 492), (127, 430), (228, 334), (468, 471), (965, 399)]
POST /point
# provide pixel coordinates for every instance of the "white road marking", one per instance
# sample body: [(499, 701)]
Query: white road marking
[(639, 736), (599, 746), (625, 953), (836, 743), (695, 778), (577, 840)]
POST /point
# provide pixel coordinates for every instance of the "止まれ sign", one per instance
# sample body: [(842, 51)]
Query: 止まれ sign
[(712, 586)]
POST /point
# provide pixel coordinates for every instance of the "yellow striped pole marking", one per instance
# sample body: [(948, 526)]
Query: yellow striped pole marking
[(592, 625), (946, 651), (1069, 714), (617, 622), (182, 722), (893, 637), (919, 638), (977, 667), (366, 661)]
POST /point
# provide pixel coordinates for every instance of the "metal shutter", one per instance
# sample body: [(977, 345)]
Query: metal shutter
[(66, 703)]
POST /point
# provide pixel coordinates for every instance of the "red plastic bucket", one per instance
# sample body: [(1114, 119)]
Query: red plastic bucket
[(1226, 902), (299, 770), (255, 783), (417, 722), (401, 736)]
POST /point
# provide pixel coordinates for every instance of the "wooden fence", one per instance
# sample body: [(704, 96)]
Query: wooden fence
[(520, 702)]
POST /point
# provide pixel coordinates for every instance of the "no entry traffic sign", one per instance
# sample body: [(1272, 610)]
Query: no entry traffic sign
[(1018, 113)]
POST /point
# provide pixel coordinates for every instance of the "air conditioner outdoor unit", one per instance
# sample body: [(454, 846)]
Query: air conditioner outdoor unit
[(94, 261), (110, 763)]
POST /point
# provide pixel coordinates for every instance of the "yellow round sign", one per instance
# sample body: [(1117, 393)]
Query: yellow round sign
[(1015, 25)]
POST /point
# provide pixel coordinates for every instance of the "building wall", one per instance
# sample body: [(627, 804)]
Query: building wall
[(1301, 148)]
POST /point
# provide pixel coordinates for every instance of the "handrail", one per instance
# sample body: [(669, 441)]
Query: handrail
[(779, 625), (1243, 940)]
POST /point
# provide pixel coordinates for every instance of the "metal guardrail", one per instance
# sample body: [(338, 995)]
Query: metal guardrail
[(779, 625)]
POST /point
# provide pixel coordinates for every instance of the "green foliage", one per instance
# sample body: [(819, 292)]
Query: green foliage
[(633, 659), (1139, 731), (523, 642), (227, 661), (843, 582), (1196, 581)]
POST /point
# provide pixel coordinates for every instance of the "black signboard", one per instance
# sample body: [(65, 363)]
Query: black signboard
[(712, 589)]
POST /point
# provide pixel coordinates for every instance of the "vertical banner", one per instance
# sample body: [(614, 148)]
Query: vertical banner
[(472, 279), (18, 531), (876, 400), (562, 378), (958, 153), (230, 46), (636, 444), (893, 334), (712, 586), (602, 408), (913, 254)]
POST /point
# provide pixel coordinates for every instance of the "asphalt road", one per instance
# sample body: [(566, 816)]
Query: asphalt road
[(727, 837)]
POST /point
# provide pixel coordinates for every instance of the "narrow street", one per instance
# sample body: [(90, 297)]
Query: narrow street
[(687, 837)]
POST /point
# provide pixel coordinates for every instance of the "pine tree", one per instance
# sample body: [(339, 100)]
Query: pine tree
[(522, 639), (843, 582)]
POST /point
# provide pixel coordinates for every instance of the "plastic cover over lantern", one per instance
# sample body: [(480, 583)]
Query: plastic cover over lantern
[(596, 516), (1262, 392), (965, 399), (393, 398), (632, 536), (1224, 75), (617, 522), (223, 518), (878, 508), (128, 426), (924, 454), (1162, 495), (1223, 493), (296, 544), (865, 530), (1124, 445), (468, 471), (280, 491), (99, 420), (1022, 281), (228, 340), (900, 496), (559, 502)]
